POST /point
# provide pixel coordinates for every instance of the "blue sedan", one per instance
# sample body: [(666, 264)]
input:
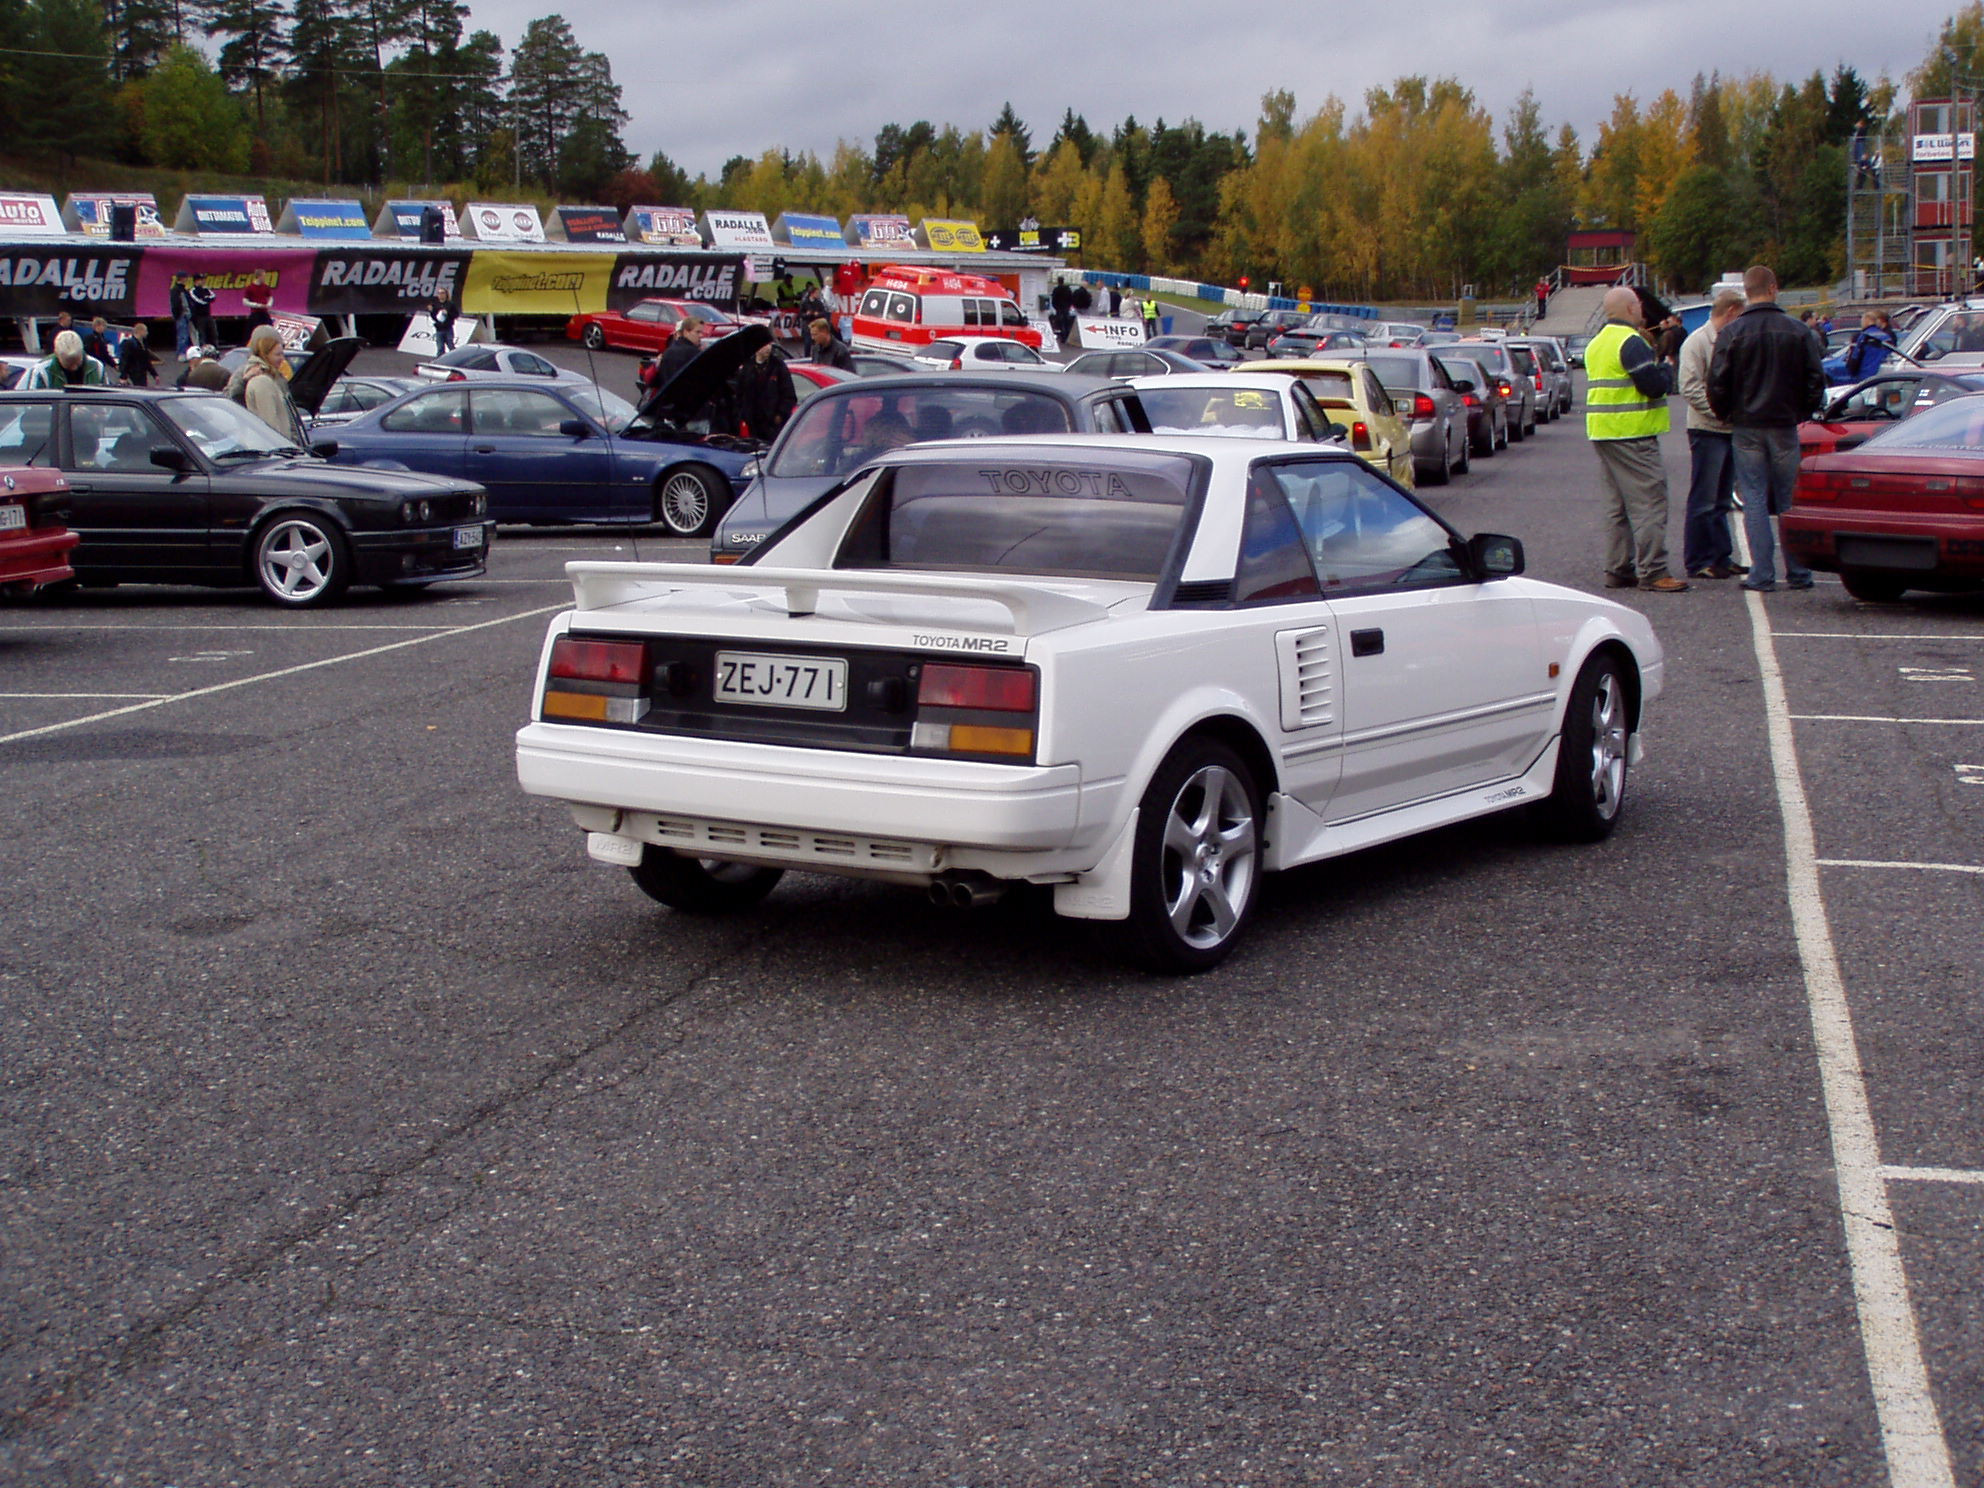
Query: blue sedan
[(559, 452)]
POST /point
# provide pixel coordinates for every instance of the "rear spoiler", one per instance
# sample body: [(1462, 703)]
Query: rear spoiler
[(599, 586)]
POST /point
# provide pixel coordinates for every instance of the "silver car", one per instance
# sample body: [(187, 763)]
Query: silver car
[(1561, 389), (485, 359), (1423, 395)]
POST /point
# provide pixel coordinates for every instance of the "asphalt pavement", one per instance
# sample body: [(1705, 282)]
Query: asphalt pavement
[(358, 1130)]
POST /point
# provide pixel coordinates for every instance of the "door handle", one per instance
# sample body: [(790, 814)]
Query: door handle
[(81, 486), (1367, 642), (485, 449)]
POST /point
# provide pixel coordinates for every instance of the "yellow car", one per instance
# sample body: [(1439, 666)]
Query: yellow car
[(1352, 396)]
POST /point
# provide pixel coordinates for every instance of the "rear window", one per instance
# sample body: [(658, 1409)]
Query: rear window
[(1063, 515), (1956, 425), (1398, 371), (1329, 387), (835, 435), (1242, 413)]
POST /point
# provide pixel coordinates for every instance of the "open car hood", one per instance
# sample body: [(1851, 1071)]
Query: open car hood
[(312, 382), (688, 390)]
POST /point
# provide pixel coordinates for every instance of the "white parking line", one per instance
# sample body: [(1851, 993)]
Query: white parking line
[(1860, 635), (1872, 718), (1932, 1175), (100, 697), (1911, 1430), (230, 629), (288, 671), (1926, 867)]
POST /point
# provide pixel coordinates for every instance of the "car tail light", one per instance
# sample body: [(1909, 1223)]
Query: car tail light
[(1422, 405), (1539, 382), (957, 364), (457, 377), (950, 703), (596, 681), (726, 557), (1470, 400), (1971, 490), (1508, 388), (1818, 485), (1360, 435)]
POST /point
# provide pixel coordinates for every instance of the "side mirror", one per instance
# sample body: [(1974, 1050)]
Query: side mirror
[(1495, 556), (324, 449), (576, 428), (1930, 353), (1339, 431), (171, 457), (1462, 385)]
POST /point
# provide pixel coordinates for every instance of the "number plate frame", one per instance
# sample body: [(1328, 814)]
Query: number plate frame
[(771, 680), (13, 516), (469, 536)]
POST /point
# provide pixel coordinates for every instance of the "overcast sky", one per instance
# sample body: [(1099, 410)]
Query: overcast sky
[(706, 81)]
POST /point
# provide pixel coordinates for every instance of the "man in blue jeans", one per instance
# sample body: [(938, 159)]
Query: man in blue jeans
[(1764, 379), (1707, 550)]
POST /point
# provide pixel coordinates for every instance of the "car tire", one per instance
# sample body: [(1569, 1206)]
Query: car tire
[(1874, 588), (1438, 473), (299, 560), (1466, 458), (1501, 434), (689, 499), (1514, 432), (1196, 862), (702, 885), (1483, 448), (595, 338), (1589, 789)]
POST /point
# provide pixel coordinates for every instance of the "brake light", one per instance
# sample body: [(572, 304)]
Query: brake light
[(957, 364), (1470, 400), (457, 377), (1000, 689), (1971, 490), (1508, 388), (1817, 485), (603, 681), (1360, 435), (1539, 382), (1422, 405)]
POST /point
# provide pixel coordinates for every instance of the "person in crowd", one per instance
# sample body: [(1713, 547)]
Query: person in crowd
[(1871, 346), (1625, 415), (765, 394), (1150, 317), (263, 387), (1542, 298), (203, 373), (67, 366), (1672, 334), (681, 350), (1764, 378), (259, 297), (136, 365), (828, 349), (182, 314), (812, 306), (97, 343), (64, 321), (441, 311), (1707, 551), (887, 430), (200, 306), (1115, 301)]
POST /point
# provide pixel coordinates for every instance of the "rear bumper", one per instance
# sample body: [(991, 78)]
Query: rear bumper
[(36, 556), (997, 808), (1949, 546)]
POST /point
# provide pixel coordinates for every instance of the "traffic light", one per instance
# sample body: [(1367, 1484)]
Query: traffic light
[(1243, 281)]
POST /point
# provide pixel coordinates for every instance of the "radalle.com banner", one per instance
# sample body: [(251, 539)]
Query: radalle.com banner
[(83, 281)]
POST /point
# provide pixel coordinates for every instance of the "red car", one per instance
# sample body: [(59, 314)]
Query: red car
[(1881, 402), (34, 538), (1903, 511), (648, 325)]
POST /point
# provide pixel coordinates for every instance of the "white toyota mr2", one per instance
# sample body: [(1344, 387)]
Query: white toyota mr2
[(1142, 670)]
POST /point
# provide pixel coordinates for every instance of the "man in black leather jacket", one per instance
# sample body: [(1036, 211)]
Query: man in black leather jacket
[(1764, 380)]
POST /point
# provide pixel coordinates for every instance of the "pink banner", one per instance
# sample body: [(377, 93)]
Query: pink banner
[(227, 271)]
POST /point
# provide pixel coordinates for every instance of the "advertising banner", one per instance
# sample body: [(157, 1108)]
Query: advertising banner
[(1937, 149), (324, 219), (223, 215), (227, 271), (588, 225), (504, 222), (24, 215), (1102, 332), (91, 213), (668, 227), (737, 230), (420, 341), (867, 230), (711, 277), (401, 219), (802, 230), (502, 283), (360, 281), (1033, 238), (295, 330), (946, 235), (85, 281)]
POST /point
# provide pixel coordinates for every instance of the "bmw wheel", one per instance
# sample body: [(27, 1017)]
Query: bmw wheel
[(702, 885), (688, 500), (1196, 861), (299, 560), (1589, 790)]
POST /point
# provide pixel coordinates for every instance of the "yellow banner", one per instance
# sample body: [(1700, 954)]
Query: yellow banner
[(510, 283), (952, 237)]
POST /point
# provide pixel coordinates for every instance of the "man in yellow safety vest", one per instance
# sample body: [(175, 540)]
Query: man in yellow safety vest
[(1625, 415), (1150, 316)]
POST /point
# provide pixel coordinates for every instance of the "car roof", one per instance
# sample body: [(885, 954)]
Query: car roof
[(1219, 449), (1295, 366), (1070, 385), (1259, 381)]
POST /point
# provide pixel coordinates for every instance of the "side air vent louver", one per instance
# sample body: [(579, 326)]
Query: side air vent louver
[(1203, 592)]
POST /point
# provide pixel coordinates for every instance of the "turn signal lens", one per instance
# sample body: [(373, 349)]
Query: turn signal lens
[(1002, 689), (598, 661), (975, 738)]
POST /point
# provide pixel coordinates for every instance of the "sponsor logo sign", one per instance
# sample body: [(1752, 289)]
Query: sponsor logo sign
[(737, 229), (673, 227), (295, 330), (223, 214), (227, 271), (1033, 239), (590, 225), (947, 235), (325, 219), (505, 222), (880, 230), (401, 219), (1935, 149), (358, 281), (507, 283), (23, 215), (710, 277), (85, 281), (804, 231), (421, 341), (92, 213)]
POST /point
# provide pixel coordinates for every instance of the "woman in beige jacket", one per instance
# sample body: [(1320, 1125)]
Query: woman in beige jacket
[(264, 390)]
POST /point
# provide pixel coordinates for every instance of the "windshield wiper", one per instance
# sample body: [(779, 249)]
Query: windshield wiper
[(243, 454)]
